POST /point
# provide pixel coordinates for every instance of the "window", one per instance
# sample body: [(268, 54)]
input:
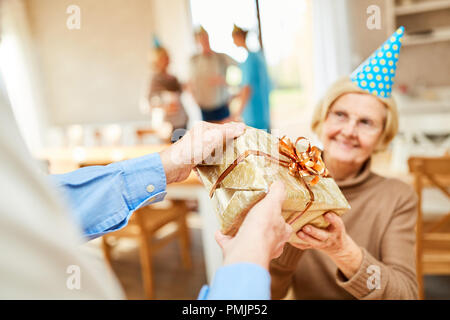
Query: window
[(285, 29)]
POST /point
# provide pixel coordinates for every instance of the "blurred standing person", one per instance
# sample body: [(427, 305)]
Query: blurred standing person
[(254, 96), (165, 89), (207, 80), (44, 219)]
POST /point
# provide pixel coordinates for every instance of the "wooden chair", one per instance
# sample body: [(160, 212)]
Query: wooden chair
[(432, 236), (143, 226)]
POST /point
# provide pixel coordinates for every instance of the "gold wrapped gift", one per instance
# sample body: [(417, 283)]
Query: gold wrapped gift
[(240, 176)]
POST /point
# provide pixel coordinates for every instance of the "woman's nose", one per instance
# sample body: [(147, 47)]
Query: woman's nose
[(350, 128)]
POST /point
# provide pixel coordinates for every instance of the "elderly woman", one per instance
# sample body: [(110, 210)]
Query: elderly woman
[(368, 253)]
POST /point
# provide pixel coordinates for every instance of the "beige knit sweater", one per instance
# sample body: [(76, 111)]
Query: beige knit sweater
[(381, 221)]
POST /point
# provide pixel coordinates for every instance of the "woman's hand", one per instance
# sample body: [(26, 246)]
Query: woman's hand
[(263, 233), (333, 241)]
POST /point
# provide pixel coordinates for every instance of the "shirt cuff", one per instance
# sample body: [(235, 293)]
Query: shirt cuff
[(366, 279), (145, 180), (144, 184), (240, 281)]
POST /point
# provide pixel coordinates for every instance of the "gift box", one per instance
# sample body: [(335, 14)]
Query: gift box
[(241, 174)]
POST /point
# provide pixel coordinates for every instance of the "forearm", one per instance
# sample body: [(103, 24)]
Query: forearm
[(377, 280), (260, 258), (392, 275), (102, 198), (174, 168), (349, 259)]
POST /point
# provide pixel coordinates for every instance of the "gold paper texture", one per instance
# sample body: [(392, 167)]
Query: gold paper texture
[(250, 180)]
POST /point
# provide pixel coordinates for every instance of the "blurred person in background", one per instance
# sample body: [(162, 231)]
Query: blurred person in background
[(207, 82), (44, 220), (165, 89), (256, 86), (368, 253)]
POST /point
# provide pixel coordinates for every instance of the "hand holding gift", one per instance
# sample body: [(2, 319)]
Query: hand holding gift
[(334, 242), (196, 145), (263, 233), (252, 162), (264, 224)]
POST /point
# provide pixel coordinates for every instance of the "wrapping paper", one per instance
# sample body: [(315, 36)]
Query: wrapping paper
[(250, 180)]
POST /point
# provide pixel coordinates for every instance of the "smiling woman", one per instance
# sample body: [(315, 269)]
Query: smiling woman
[(352, 94), (377, 233), (353, 125), (369, 252), (351, 134)]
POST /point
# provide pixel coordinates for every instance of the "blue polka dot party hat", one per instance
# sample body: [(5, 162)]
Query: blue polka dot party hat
[(376, 74)]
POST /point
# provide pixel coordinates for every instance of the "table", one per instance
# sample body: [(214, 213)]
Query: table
[(63, 160)]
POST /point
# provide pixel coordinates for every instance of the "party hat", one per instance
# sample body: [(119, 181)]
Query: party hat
[(156, 42), (376, 74)]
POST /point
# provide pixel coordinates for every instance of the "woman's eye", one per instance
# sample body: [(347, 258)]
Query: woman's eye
[(366, 122), (339, 114)]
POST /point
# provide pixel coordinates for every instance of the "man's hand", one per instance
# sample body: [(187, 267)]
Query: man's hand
[(196, 145), (263, 233)]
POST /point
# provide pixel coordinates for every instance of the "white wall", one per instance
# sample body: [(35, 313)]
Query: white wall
[(97, 74), (172, 25), (332, 45)]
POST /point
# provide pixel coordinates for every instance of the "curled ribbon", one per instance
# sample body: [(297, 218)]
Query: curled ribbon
[(300, 164)]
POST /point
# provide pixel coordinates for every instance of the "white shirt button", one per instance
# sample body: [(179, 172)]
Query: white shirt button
[(150, 188)]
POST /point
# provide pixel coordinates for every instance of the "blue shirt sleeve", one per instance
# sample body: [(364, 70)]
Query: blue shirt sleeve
[(102, 198), (240, 281)]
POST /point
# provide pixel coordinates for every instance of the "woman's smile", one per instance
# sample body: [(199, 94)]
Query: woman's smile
[(345, 144)]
